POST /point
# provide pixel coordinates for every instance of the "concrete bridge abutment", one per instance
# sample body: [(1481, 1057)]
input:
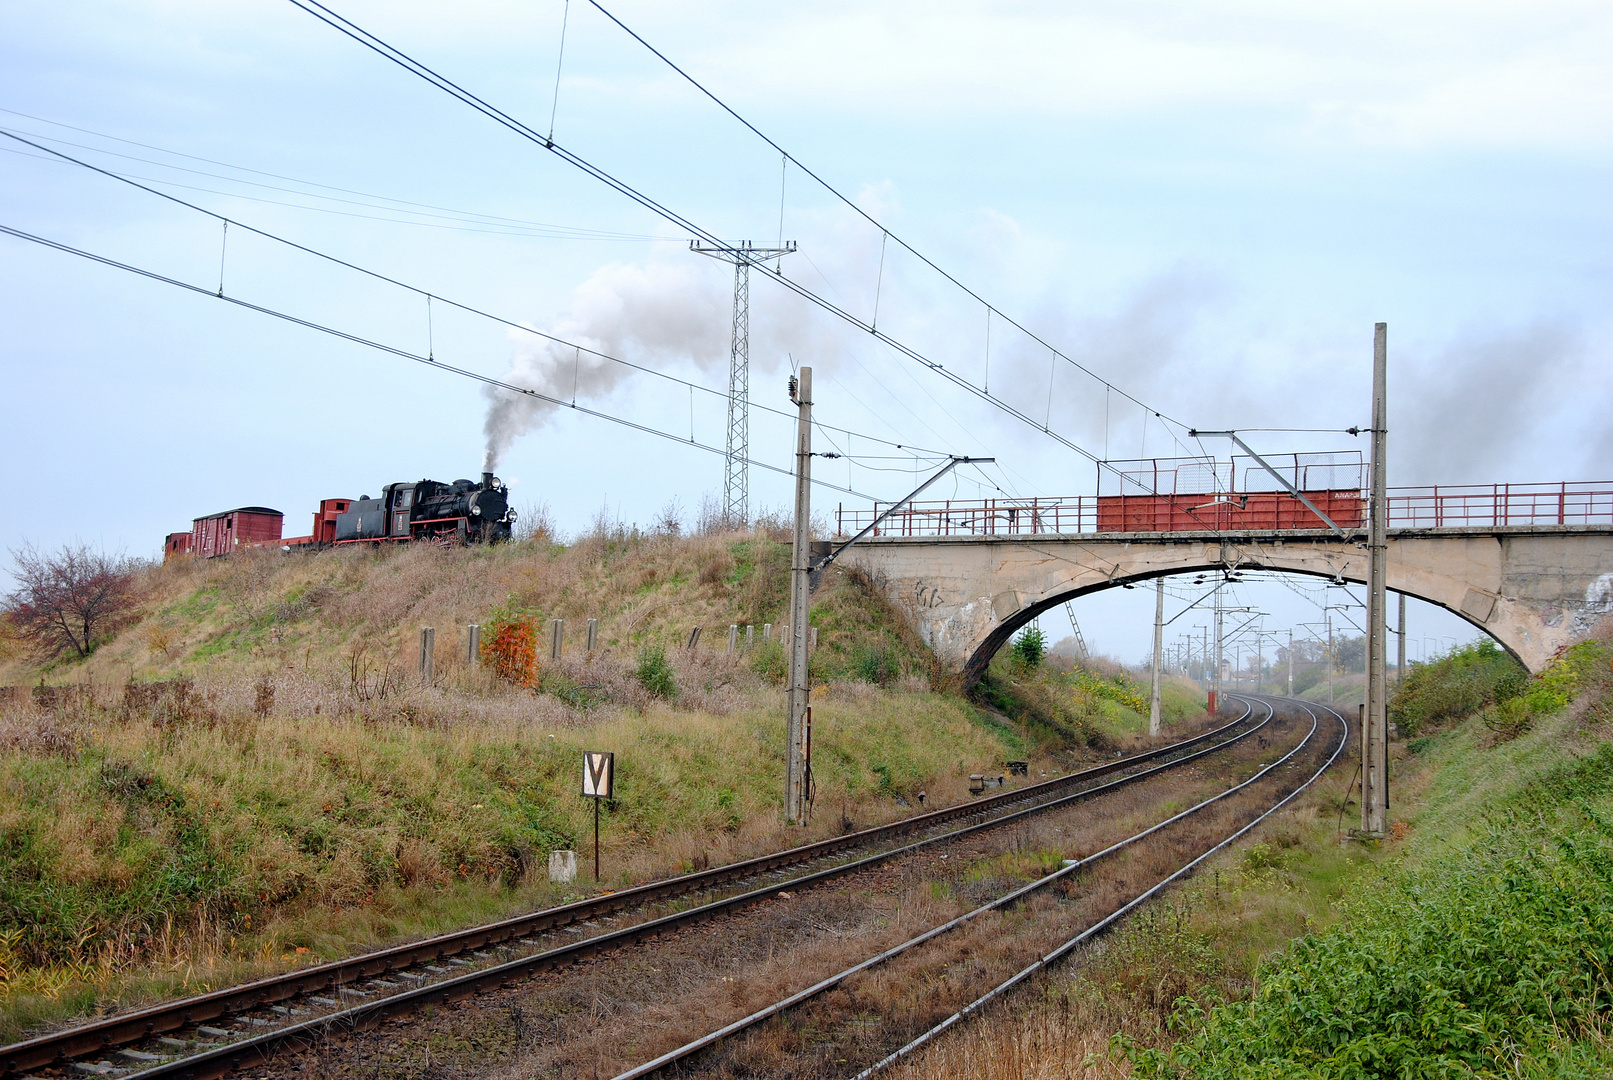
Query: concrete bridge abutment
[(1534, 589)]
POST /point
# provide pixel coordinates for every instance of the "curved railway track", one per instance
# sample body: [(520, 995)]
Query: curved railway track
[(216, 1033), (1327, 751)]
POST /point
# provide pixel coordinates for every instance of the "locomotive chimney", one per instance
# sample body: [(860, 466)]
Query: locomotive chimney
[(487, 479)]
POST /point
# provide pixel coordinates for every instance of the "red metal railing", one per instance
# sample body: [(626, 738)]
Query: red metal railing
[(1462, 506)]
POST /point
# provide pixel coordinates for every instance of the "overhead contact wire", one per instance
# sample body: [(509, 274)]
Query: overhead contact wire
[(405, 354), (418, 291), (498, 116)]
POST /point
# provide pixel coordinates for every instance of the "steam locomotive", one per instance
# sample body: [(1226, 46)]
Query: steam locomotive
[(463, 511)]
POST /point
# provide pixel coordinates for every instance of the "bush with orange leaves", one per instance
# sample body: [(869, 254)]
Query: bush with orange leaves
[(510, 648)]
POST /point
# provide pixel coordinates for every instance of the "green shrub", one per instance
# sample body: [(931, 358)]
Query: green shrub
[(1460, 684), (654, 672), (1030, 646), (876, 664), (769, 662)]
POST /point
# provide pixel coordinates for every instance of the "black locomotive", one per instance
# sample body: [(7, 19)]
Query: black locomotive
[(463, 511)]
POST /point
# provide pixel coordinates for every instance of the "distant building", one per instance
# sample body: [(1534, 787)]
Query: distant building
[(231, 530)]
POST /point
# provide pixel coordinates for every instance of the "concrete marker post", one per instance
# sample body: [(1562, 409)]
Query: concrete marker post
[(473, 643), (593, 635), (428, 644)]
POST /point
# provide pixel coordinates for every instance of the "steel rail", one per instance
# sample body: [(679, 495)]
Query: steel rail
[(337, 977), (829, 983), (1075, 942)]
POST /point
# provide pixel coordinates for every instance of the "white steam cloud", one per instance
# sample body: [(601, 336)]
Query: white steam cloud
[(660, 314)]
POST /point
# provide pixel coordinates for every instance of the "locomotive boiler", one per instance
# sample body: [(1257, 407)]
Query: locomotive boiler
[(462, 512)]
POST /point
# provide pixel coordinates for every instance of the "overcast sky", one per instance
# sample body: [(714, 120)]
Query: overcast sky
[(1208, 208)]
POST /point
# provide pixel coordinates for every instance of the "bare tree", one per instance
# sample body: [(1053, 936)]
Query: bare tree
[(69, 600)]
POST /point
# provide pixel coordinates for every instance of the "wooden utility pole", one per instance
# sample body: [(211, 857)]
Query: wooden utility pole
[(1375, 729), (798, 701), (1159, 641)]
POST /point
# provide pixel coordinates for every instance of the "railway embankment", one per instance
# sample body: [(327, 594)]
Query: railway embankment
[(252, 773)]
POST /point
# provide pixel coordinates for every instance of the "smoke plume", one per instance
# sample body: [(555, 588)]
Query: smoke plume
[(1477, 407), (660, 315)]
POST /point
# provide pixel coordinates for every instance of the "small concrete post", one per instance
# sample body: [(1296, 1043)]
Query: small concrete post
[(428, 642), (750, 636), (733, 638), (473, 643), (784, 636), (593, 634), (562, 867), (694, 637), (557, 634), (812, 642), (767, 633)]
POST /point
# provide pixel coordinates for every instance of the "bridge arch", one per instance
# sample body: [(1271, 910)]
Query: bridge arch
[(977, 663), (1534, 591)]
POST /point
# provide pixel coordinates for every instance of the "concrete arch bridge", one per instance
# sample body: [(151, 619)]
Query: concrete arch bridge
[(1530, 565)]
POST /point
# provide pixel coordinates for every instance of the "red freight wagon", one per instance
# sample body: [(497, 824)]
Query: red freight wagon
[(324, 523), (229, 530), (1207, 513), (175, 545)]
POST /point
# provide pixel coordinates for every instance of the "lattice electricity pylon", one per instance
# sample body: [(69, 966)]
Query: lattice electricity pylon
[(736, 470)]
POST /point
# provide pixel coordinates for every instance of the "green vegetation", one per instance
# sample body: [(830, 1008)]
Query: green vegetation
[(655, 674), (1456, 685), (1093, 703), (1030, 646), (1486, 948)]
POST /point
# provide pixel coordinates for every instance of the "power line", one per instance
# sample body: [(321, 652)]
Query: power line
[(490, 218), (405, 354), (467, 308), (852, 205), (503, 119), (468, 225)]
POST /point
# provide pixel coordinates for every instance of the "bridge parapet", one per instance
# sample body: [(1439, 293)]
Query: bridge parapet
[(1436, 507)]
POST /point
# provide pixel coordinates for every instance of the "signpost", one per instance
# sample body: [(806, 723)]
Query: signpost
[(598, 782)]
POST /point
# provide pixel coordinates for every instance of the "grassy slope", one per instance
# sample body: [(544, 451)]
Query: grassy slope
[(1488, 948), (292, 791), (1500, 854)]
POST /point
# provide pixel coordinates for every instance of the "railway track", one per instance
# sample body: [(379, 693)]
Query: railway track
[(215, 1033), (1329, 751)]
